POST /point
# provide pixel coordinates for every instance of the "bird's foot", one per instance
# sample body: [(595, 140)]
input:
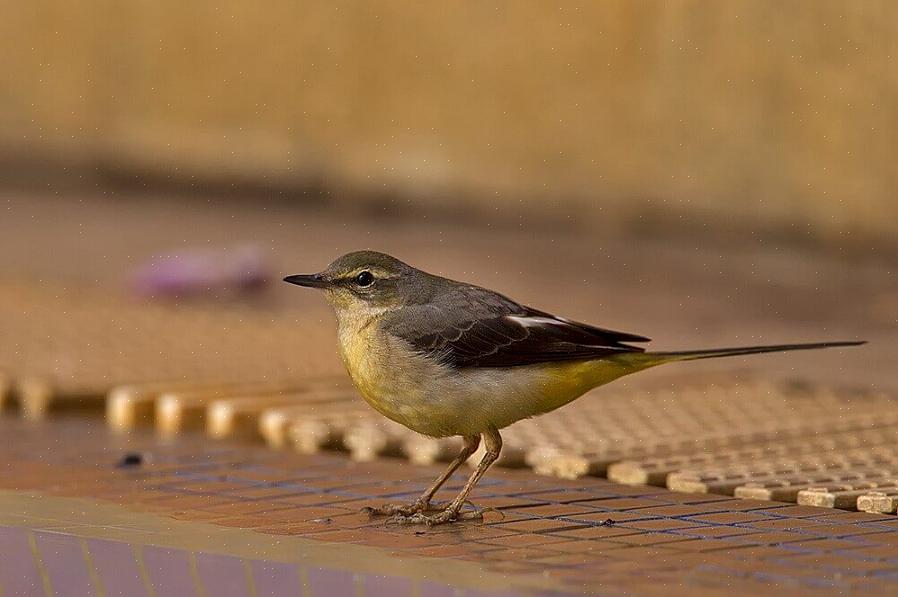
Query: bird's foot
[(450, 514), (415, 507)]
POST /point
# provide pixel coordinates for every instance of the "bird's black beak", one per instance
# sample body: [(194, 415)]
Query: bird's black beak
[(310, 281)]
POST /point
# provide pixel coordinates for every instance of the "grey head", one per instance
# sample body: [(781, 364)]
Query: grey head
[(372, 279), (461, 324)]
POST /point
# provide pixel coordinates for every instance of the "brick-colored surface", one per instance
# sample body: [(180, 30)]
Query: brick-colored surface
[(584, 535), (70, 336), (775, 441)]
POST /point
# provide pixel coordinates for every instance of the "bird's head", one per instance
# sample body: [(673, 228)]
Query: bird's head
[(366, 281)]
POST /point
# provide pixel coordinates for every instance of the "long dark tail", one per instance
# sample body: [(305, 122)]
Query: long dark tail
[(692, 355)]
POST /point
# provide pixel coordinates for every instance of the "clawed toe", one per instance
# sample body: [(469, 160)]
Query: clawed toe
[(396, 509), (417, 518), (448, 515)]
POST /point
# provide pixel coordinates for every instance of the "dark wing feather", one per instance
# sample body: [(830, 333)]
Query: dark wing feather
[(474, 327)]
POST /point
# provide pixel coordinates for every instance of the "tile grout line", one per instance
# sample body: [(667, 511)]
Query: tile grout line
[(38, 561), (99, 589), (137, 552), (195, 574)]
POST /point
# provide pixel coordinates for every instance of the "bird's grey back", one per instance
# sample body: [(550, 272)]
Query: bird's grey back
[(470, 326)]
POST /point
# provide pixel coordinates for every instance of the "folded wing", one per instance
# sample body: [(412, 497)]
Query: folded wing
[(479, 328)]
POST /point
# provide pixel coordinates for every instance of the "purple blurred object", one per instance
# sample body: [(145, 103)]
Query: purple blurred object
[(198, 272)]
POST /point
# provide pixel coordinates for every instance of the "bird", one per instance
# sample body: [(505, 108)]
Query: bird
[(447, 358)]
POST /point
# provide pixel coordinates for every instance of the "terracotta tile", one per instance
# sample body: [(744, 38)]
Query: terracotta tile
[(780, 524), (567, 497), (556, 510), (195, 515), (715, 531), (687, 498), (243, 507), (788, 546), (840, 530), (415, 539), (128, 497), (503, 502), (284, 515), (890, 523), (749, 505), (257, 493), (268, 477), (312, 512), (306, 529), (710, 545), (763, 552), (871, 586), (181, 502), (359, 521), (597, 532), (539, 525), (655, 558), (811, 544), (858, 517), (585, 545), (775, 572), (523, 540), (796, 511), (675, 559), (340, 536), (609, 517), (505, 516), (322, 499), (475, 548), (660, 524), (774, 537), (842, 564), (211, 487), (877, 552), (510, 567), (245, 522), (444, 551), (677, 510), (517, 553), (473, 531), (330, 483), (636, 491), (624, 503), (393, 541), (352, 521), (729, 518), (572, 559), (877, 539), (414, 548), (650, 539)]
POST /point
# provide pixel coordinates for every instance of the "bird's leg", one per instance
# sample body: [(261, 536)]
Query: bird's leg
[(453, 512), (422, 504)]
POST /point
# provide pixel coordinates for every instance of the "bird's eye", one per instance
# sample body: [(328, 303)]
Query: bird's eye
[(364, 279)]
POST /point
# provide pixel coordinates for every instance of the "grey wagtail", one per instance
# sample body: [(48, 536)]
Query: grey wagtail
[(446, 358)]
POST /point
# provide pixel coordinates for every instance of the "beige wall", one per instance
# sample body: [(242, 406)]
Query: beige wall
[(782, 111)]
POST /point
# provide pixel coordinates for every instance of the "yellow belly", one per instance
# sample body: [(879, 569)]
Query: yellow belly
[(439, 401), (388, 375)]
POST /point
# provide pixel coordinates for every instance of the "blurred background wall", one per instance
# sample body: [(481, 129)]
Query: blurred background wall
[(757, 114)]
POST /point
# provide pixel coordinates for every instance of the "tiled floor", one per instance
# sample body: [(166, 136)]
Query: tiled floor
[(544, 534), (747, 436), (197, 512)]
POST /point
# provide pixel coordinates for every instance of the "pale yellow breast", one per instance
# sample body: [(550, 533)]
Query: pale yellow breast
[(436, 400), (392, 378)]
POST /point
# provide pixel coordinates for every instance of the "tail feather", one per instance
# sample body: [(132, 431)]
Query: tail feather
[(692, 355)]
